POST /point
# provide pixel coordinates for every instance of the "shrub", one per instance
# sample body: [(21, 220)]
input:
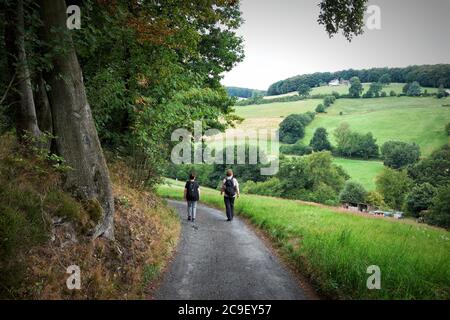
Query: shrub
[(320, 108), (319, 141), (419, 198), (375, 199), (297, 149), (383, 94), (392, 93), (271, 187), (439, 213), (398, 154), (393, 185), (447, 129), (292, 128), (353, 192)]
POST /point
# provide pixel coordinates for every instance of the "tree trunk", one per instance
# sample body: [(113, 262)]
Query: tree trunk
[(76, 136), (26, 121)]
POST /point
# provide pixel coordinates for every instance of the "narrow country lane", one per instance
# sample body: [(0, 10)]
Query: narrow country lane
[(217, 259)]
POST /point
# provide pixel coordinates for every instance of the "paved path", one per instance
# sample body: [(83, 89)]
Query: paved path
[(224, 260)]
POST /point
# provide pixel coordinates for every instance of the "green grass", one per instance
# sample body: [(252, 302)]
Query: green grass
[(419, 120), (335, 248), (361, 171), (277, 110)]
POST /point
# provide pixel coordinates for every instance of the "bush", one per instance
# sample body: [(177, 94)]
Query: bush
[(383, 94), (319, 141), (375, 199), (412, 89), (271, 187), (320, 108), (398, 154), (439, 213), (419, 198), (292, 128), (297, 149), (393, 185), (392, 93), (353, 192), (447, 129)]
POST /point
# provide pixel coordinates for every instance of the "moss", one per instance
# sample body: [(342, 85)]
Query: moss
[(94, 210)]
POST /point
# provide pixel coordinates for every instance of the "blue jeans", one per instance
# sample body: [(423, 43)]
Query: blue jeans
[(192, 209)]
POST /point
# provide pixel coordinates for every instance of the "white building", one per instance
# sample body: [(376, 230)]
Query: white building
[(334, 82)]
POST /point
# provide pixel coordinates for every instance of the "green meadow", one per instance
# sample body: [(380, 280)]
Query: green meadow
[(419, 120), (334, 249), (361, 171)]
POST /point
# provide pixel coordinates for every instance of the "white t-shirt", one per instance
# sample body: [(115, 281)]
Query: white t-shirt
[(235, 183)]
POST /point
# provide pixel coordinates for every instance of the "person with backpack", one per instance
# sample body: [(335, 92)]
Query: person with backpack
[(230, 187), (192, 196)]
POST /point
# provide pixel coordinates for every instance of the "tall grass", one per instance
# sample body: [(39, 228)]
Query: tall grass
[(335, 248)]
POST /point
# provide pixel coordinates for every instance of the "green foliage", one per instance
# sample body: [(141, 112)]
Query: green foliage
[(385, 79), (320, 142), (320, 108), (345, 16), (398, 154), (271, 187), (353, 192), (439, 214), (328, 101), (393, 185), (356, 88), (375, 89), (243, 92), (392, 93), (412, 89), (442, 93), (419, 198), (307, 178), (303, 90), (297, 149), (161, 77), (447, 129), (375, 199), (426, 75), (354, 144), (435, 169), (292, 128)]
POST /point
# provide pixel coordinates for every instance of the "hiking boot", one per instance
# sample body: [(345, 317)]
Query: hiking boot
[(193, 219), (189, 218)]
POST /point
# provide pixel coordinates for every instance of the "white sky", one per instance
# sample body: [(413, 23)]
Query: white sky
[(282, 39)]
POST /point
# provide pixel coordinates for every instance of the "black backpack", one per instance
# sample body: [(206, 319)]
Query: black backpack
[(192, 191), (230, 189)]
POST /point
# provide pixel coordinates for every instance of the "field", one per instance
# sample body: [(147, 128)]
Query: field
[(419, 120), (361, 171), (343, 89), (334, 248)]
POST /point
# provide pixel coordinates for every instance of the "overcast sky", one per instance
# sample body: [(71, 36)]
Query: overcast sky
[(282, 39)]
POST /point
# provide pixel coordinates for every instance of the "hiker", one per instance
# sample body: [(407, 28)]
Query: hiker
[(192, 195), (230, 187)]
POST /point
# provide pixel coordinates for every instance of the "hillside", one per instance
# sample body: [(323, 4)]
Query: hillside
[(44, 230), (419, 120), (334, 248)]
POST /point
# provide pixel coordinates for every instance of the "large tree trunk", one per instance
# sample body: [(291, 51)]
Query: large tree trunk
[(26, 121), (76, 136)]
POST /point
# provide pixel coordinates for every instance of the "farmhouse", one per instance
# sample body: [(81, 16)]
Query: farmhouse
[(333, 83)]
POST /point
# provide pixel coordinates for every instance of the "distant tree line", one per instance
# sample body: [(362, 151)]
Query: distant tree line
[(243, 92), (425, 75)]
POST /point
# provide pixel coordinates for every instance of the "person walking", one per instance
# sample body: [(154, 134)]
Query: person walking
[(230, 189), (192, 196)]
